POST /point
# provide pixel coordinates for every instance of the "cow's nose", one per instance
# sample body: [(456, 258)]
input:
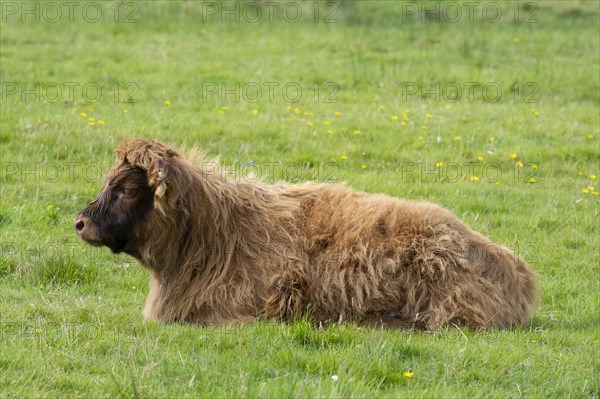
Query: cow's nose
[(86, 230), (80, 223)]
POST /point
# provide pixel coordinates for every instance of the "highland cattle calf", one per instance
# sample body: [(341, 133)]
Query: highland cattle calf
[(221, 251)]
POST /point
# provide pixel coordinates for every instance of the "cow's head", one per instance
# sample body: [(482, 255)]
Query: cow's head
[(144, 182)]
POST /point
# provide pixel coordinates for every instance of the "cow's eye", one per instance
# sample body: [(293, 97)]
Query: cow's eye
[(130, 192)]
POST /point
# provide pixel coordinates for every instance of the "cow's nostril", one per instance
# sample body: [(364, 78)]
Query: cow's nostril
[(86, 230), (79, 225)]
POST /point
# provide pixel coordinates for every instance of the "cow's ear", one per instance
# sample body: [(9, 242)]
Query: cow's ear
[(165, 179)]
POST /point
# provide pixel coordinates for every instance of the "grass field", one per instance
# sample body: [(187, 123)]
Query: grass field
[(492, 113)]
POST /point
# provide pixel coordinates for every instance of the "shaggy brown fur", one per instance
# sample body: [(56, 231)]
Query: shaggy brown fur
[(225, 252)]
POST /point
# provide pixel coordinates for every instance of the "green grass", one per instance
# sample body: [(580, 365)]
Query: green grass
[(71, 322)]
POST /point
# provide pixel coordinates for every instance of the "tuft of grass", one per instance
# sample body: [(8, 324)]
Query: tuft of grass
[(7, 266), (65, 270)]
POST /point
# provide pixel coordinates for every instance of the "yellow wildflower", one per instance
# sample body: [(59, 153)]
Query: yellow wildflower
[(100, 122), (532, 180), (428, 116), (491, 139), (83, 114), (514, 156), (593, 177), (408, 374), (590, 136), (91, 119), (516, 39), (254, 112), (421, 138), (594, 193), (338, 113), (456, 138), (439, 164), (343, 157), (309, 123), (424, 127), (585, 190), (357, 132), (38, 330), (363, 166), (49, 206), (394, 117), (167, 103), (580, 173), (298, 111), (326, 123), (474, 178), (534, 166), (519, 164), (480, 158), (329, 131)]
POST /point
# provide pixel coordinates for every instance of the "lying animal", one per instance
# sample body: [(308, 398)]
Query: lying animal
[(221, 251)]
